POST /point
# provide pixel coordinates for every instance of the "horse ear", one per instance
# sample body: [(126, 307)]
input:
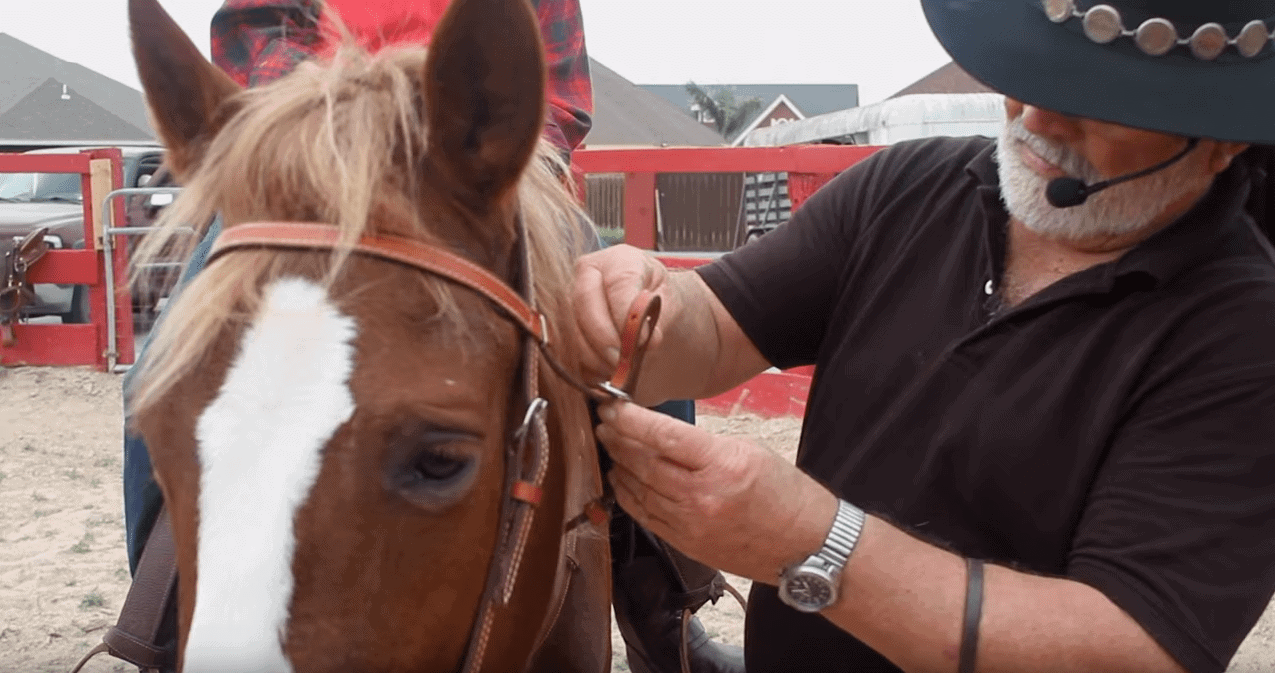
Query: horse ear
[(183, 90), (484, 87)]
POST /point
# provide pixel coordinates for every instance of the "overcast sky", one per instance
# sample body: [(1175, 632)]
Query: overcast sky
[(881, 45)]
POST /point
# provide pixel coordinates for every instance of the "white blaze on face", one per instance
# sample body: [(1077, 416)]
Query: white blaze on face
[(260, 449)]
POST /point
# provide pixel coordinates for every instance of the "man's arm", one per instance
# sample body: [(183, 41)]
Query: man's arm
[(905, 598), (744, 509)]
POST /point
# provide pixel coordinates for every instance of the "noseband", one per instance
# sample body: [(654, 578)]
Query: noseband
[(527, 449)]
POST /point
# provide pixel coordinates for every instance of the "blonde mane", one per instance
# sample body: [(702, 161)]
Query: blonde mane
[(340, 142)]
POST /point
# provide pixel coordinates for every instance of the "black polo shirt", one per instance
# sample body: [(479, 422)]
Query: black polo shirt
[(1118, 428)]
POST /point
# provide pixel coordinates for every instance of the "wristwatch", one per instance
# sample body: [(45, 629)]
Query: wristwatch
[(812, 585)]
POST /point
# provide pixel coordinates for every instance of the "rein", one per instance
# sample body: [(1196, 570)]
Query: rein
[(527, 451)]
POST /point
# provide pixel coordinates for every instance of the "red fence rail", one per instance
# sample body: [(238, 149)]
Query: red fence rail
[(86, 344), (640, 166)]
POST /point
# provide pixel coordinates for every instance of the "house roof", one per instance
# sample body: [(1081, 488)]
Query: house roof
[(101, 111), (53, 112), (947, 79), (809, 99), (98, 104), (781, 100), (14, 88), (625, 114)]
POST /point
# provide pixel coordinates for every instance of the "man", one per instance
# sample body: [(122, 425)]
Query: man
[(1041, 432), (259, 41)]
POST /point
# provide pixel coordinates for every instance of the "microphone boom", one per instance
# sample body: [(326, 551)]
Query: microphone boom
[(1068, 192)]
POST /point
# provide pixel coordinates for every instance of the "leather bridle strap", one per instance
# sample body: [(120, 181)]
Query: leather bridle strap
[(643, 313), (435, 260), (639, 325), (526, 466)]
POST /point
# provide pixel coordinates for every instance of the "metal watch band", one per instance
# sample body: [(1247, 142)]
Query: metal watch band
[(843, 536)]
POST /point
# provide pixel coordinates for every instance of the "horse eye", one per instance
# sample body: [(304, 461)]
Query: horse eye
[(431, 468), (436, 466)]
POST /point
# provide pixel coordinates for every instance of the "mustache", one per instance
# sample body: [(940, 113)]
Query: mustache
[(1069, 161)]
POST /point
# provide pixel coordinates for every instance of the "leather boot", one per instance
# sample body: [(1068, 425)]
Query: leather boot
[(653, 585)]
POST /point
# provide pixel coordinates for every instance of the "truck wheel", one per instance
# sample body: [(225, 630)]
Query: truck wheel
[(79, 313)]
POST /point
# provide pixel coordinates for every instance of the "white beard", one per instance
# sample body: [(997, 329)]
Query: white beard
[(1117, 211)]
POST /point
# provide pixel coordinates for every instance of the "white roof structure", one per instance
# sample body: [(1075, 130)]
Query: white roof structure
[(893, 120), (757, 120)]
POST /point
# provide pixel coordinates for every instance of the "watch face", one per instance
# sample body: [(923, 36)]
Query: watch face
[(808, 592)]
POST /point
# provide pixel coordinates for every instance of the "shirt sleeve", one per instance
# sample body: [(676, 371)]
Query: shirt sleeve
[(569, 89), (781, 288), (1179, 528)]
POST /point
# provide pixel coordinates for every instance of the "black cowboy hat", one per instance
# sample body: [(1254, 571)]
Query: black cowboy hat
[(1213, 77)]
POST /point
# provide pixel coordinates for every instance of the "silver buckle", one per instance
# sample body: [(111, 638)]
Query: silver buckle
[(611, 390), (534, 409)]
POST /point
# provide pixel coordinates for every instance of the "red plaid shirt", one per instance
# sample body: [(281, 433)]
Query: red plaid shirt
[(258, 41)]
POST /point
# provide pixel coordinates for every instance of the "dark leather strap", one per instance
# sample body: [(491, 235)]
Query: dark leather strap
[(135, 636), (973, 615)]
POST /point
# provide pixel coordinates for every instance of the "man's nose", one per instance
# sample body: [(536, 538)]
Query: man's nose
[(1050, 125)]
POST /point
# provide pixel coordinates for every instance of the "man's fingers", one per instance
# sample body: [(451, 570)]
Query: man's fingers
[(640, 502), (671, 480), (670, 438), (596, 325)]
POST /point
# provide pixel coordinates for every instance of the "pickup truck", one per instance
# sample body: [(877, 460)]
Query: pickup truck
[(29, 201)]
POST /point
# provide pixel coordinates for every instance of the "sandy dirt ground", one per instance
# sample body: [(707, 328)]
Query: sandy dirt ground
[(63, 572)]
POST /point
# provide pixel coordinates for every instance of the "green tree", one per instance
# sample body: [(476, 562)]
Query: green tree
[(718, 106)]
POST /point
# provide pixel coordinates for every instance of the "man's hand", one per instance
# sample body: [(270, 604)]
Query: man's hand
[(696, 348), (606, 283), (722, 501)]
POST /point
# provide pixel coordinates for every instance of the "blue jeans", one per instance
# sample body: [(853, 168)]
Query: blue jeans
[(142, 498)]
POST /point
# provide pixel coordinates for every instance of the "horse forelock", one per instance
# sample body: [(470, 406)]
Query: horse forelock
[(340, 141)]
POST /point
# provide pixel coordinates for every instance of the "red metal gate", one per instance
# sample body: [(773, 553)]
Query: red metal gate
[(101, 171)]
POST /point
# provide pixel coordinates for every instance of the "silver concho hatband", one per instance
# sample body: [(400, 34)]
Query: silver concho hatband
[(1156, 37)]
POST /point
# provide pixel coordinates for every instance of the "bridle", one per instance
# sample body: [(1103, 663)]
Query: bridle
[(527, 448)]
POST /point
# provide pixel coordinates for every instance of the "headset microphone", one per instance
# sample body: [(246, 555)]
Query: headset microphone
[(1068, 192)]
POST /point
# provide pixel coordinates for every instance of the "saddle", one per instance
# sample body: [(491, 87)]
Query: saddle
[(16, 293)]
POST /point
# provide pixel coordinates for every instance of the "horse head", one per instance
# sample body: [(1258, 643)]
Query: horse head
[(337, 434)]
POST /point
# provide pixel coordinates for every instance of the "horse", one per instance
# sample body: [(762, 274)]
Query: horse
[(368, 461)]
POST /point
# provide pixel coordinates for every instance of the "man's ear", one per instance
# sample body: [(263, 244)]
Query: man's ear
[(184, 92)]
